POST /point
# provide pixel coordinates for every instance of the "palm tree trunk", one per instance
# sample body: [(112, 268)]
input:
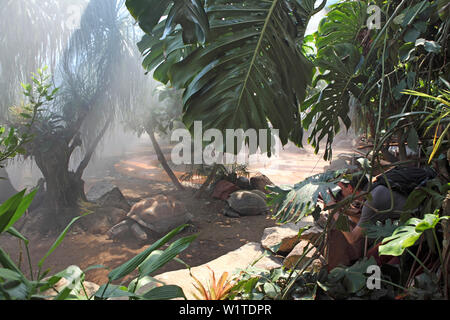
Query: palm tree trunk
[(162, 159)]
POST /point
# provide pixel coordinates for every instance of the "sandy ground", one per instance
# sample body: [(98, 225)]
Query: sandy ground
[(139, 175)]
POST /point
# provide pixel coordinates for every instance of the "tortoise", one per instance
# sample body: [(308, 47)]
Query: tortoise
[(246, 203), (159, 214)]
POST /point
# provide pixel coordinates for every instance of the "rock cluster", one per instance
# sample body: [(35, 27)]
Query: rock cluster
[(289, 241)]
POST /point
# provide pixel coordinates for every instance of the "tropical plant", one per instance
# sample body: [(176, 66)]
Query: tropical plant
[(437, 116), (214, 290), (12, 143), (14, 284), (375, 66), (406, 235), (90, 98), (252, 59), (293, 203), (259, 284)]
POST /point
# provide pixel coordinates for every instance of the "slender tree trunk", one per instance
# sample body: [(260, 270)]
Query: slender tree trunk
[(208, 181), (87, 158), (163, 160)]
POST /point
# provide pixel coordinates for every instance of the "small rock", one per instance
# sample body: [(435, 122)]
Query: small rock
[(243, 183), (312, 234), (296, 253), (282, 239)]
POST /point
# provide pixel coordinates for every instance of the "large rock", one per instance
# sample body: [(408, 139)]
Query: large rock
[(312, 234), (223, 189), (99, 189), (291, 260), (231, 262), (160, 214), (114, 198), (282, 239)]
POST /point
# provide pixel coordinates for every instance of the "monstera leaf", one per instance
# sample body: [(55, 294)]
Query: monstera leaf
[(293, 203), (331, 105), (161, 55), (339, 59), (342, 24), (379, 230), (406, 236), (190, 14), (352, 278), (250, 74)]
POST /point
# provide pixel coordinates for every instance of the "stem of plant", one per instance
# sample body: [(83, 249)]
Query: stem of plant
[(29, 262), (441, 259), (418, 261)]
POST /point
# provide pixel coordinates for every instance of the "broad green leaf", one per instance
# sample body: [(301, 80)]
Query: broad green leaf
[(7, 263), (132, 264), (406, 235), (10, 275), (74, 276), (23, 206), (251, 72), (134, 285), (112, 291), (12, 231), (415, 199), (353, 278), (271, 290), (190, 14), (167, 292), (8, 210), (151, 265), (379, 230), (411, 35)]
